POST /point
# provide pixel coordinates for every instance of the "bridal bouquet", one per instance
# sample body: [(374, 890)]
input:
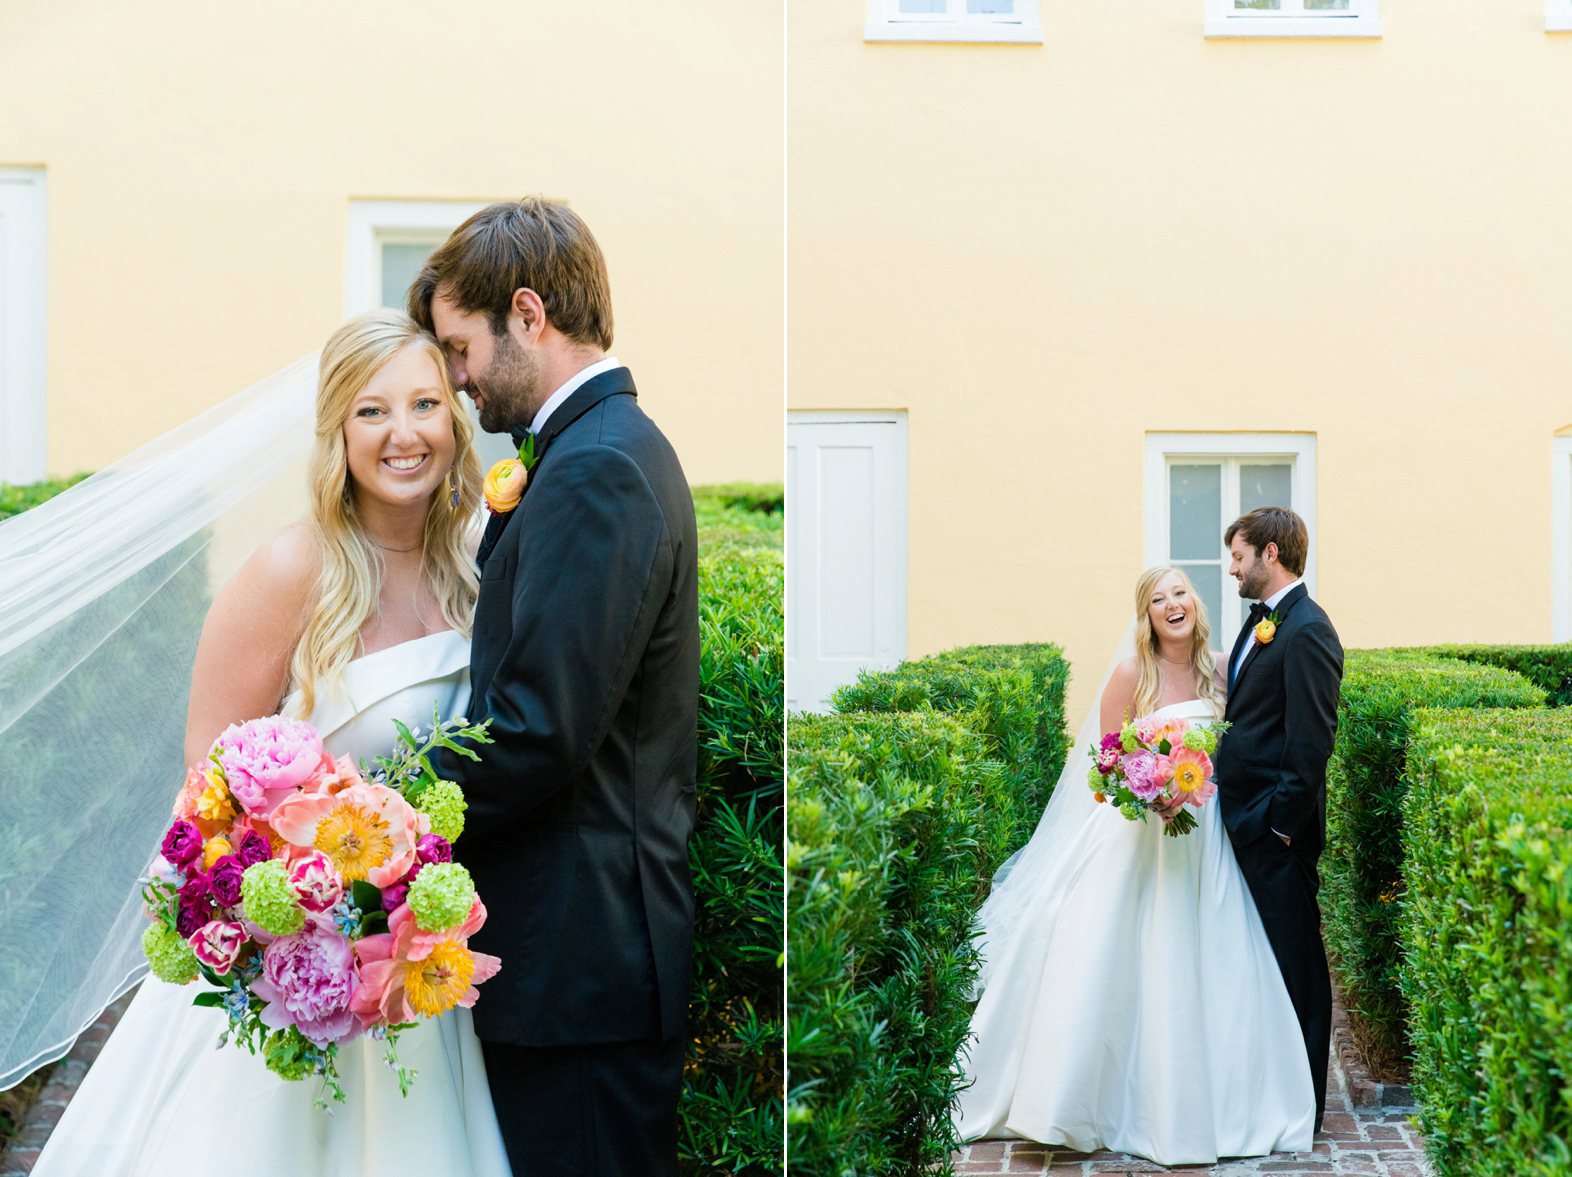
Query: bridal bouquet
[(1158, 765), (320, 898)]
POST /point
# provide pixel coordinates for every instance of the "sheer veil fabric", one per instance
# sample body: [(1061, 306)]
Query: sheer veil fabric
[(103, 591)]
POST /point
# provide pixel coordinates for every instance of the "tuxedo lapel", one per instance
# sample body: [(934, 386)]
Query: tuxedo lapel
[(584, 398), (1233, 655), (1295, 595)]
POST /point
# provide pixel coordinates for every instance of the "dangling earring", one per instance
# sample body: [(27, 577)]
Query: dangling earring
[(454, 482)]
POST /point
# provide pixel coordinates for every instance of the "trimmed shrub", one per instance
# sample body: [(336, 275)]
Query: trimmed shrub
[(887, 819), (902, 807), (16, 499), (1487, 938), (1363, 864), (734, 1072), (1547, 667), (1014, 696), (742, 514)]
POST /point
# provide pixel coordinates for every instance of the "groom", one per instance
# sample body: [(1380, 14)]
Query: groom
[(586, 660), (1283, 679)]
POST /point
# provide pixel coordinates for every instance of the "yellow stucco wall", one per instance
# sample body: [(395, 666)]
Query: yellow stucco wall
[(201, 159), (1044, 252)]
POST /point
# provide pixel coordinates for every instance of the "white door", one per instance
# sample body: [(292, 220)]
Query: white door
[(845, 550), (24, 405)]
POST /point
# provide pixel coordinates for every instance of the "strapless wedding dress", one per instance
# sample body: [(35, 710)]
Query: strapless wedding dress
[(1138, 1006), (161, 1100)]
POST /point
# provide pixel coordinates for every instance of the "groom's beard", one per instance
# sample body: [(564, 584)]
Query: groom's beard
[(510, 389), (1252, 585)]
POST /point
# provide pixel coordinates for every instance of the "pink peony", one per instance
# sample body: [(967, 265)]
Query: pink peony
[(308, 980), (367, 831), (406, 973), (266, 760), (217, 944), (315, 883), (1141, 775), (1190, 770)]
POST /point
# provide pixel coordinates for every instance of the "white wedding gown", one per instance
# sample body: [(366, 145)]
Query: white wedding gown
[(1134, 1003), (161, 1100)]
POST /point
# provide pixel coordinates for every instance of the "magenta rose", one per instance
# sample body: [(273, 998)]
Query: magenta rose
[(1108, 753), (266, 760), (217, 943), (307, 980), (253, 849), (433, 848), (315, 882), (224, 879), (394, 896), (182, 843), (1140, 770)]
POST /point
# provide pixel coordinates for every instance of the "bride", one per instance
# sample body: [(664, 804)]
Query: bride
[(354, 617), (1131, 1000)]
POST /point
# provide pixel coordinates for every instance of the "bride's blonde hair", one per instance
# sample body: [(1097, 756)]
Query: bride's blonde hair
[(350, 580), (1148, 682)]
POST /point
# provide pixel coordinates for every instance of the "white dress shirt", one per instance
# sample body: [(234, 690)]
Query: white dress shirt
[(571, 386)]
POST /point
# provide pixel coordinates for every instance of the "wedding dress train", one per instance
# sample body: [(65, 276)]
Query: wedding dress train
[(161, 1100), (1132, 999)]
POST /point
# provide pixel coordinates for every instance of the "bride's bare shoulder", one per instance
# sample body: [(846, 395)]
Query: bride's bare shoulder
[(1122, 681), (1118, 694), (281, 572)]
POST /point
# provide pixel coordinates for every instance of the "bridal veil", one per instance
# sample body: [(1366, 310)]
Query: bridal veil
[(103, 591)]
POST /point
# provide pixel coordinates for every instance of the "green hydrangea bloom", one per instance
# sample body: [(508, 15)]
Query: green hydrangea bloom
[(444, 803), (169, 955), (1094, 779), (268, 900), (1127, 738), (441, 896), (1201, 739), (285, 1052)]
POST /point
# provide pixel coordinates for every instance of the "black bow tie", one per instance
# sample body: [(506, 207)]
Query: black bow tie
[(1259, 611)]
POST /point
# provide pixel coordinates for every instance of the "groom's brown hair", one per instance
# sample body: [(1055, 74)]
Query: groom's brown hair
[(536, 243), (1274, 525)]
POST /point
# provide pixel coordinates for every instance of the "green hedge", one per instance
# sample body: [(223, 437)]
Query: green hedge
[(14, 499), (731, 1104), (1547, 667), (1363, 864), (902, 806), (1487, 937)]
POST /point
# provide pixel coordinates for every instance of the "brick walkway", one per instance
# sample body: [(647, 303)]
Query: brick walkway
[(1371, 1141), (50, 1105)]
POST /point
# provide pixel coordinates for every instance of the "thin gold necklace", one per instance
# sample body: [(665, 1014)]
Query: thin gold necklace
[(422, 544)]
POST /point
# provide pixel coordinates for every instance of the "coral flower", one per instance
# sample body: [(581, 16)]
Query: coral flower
[(405, 972), (505, 485), (366, 831), (1190, 769), (186, 802)]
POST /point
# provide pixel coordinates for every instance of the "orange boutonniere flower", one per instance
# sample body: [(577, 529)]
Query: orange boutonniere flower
[(1266, 630), (506, 480)]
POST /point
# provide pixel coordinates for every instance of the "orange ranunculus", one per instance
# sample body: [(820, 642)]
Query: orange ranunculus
[(505, 484), (1265, 631), (406, 973)]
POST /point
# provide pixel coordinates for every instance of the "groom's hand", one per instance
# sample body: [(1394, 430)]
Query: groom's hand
[(1287, 841)]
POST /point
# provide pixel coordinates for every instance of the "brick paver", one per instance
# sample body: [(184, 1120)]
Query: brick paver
[(1368, 1141)]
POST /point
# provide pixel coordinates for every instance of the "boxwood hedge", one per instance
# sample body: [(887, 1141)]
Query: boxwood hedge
[(1487, 938), (902, 806), (1362, 867)]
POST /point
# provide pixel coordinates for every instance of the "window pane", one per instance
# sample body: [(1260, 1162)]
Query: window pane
[(400, 264), (1326, 5), (923, 6), (1263, 5), (1195, 512), (1264, 486), (1208, 581), (1000, 7)]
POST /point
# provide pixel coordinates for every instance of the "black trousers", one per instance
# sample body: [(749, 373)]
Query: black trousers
[(1284, 881), (608, 1110)]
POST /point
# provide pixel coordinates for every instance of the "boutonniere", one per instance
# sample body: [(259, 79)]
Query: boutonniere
[(1266, 630), (506, 480)]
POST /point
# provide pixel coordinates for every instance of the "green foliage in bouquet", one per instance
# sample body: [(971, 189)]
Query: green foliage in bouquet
[(1487, 938), (902, 807), (731, 1102), (1362, 867)]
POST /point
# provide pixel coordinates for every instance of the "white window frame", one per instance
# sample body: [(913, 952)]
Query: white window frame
[(1561, 536), (1558, 16), (1363, 19), (886, 22), (1188, 448), (24, 328), (373, 222)]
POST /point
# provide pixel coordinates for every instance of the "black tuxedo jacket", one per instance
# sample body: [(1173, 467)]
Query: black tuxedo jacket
[(1271, 765), (586, 659)]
